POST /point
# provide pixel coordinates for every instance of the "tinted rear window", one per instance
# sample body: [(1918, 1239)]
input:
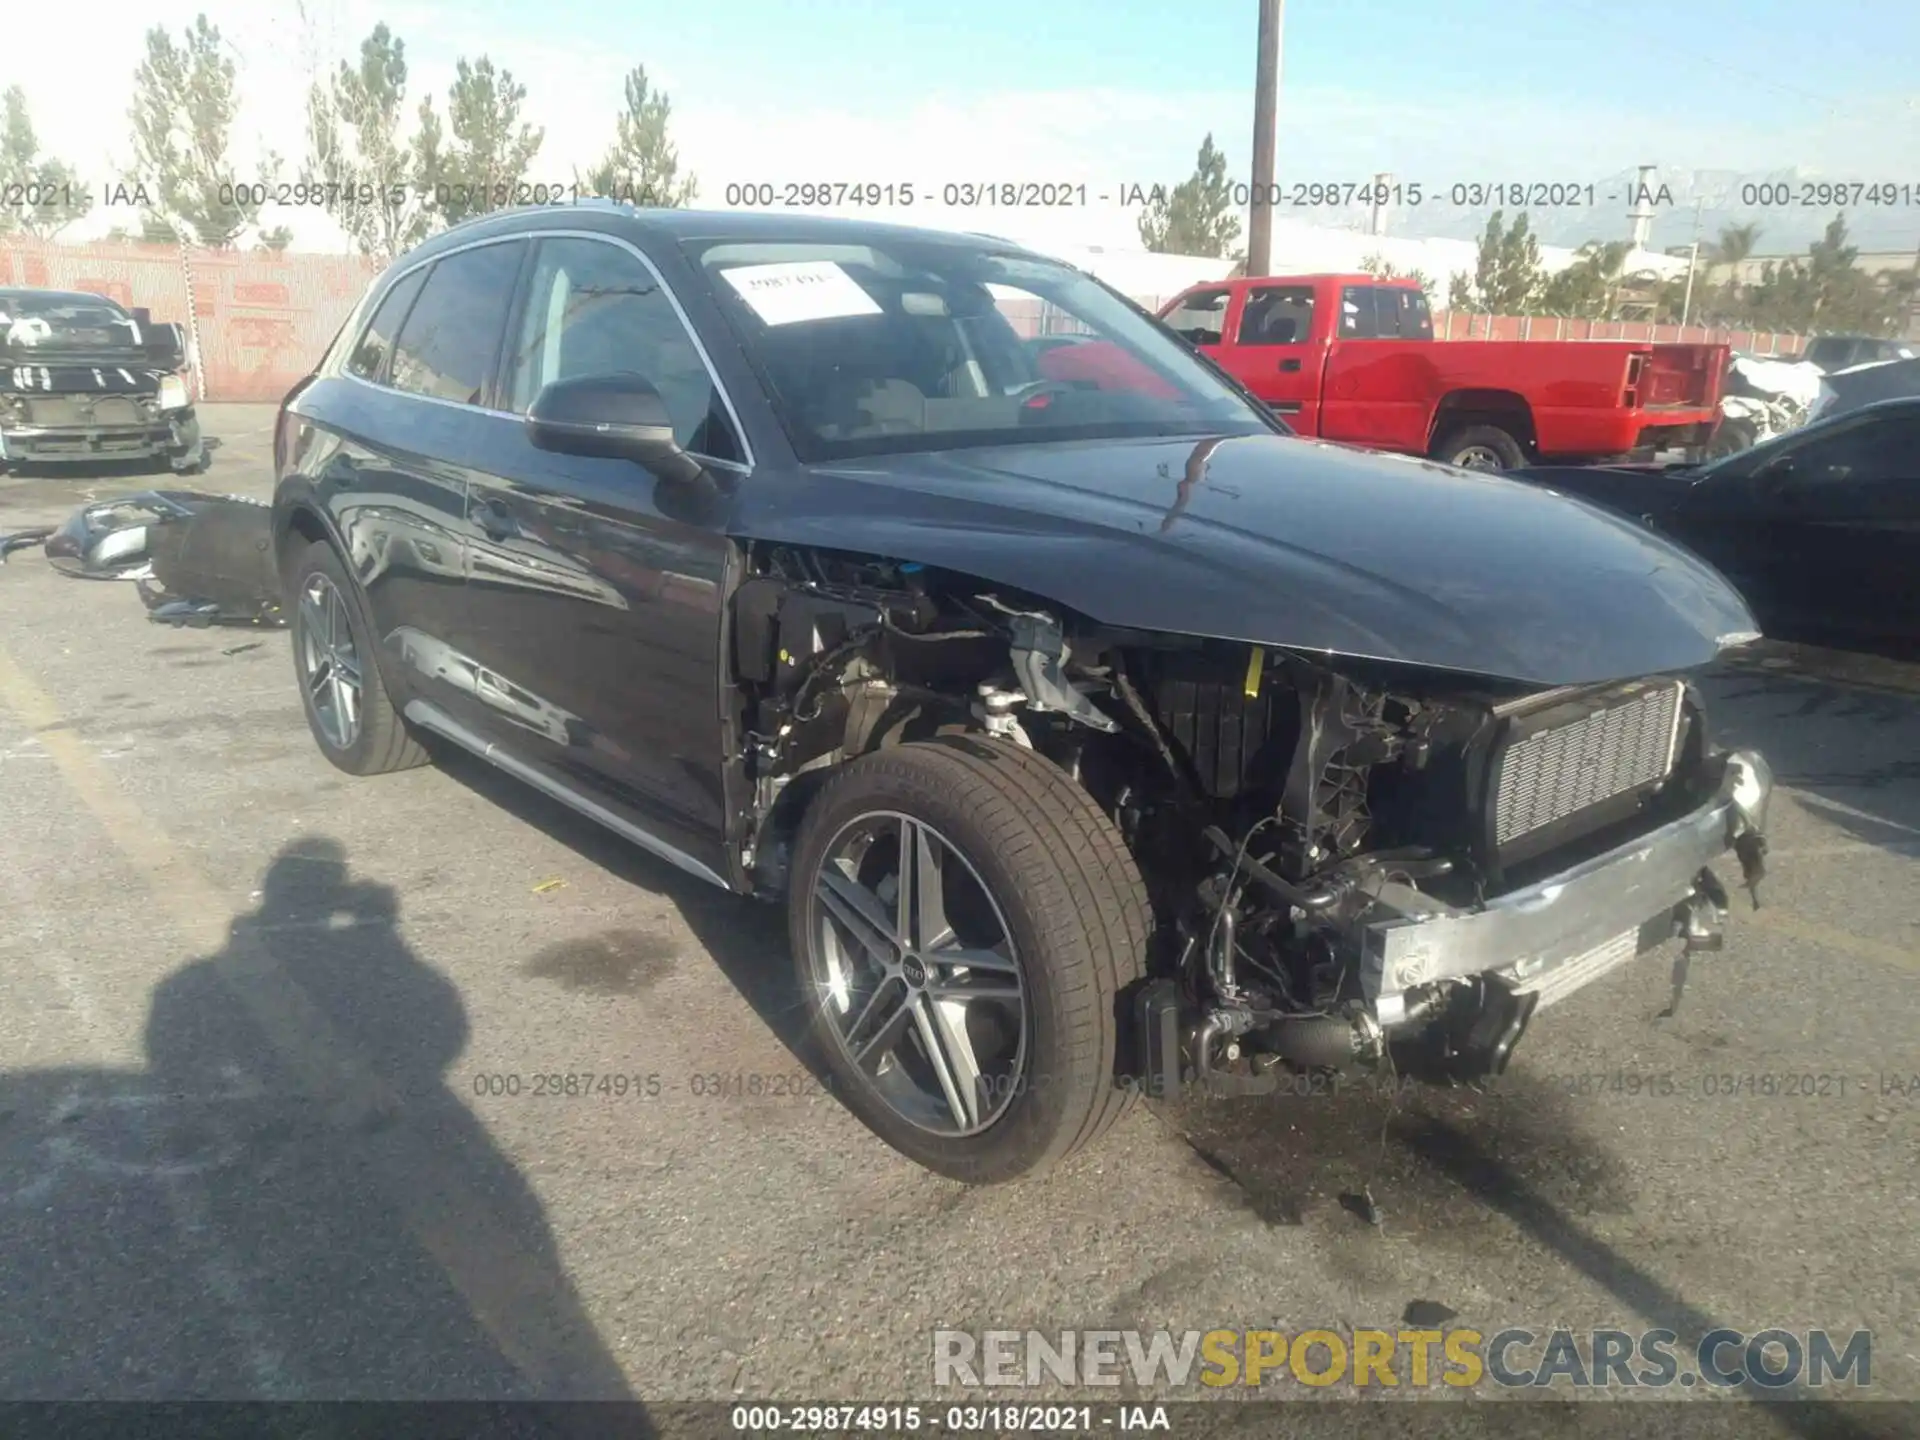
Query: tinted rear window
[(369, 358)]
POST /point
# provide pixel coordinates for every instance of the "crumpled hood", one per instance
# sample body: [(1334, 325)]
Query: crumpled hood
[(1281, 541)]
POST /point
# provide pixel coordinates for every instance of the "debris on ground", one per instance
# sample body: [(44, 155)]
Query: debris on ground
[(1363, 1205), (1427, 1314)]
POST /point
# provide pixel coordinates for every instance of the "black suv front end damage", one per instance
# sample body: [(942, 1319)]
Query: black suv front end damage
[(83, 382), (1351, 862)]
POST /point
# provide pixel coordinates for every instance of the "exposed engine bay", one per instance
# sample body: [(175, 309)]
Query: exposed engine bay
[(1350, 862)]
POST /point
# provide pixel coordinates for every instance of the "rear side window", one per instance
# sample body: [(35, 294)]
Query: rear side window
[(451, 338), (369, 358), (1357, 319), (1201, 318), (1402, 314), (1277, 315)]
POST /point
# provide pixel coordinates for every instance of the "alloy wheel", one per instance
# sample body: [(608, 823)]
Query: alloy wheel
[(1478, 457), (915, 969), (329, 663)]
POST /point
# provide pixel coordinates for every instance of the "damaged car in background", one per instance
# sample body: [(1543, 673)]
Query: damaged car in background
[(84, 380), (1099, 736)]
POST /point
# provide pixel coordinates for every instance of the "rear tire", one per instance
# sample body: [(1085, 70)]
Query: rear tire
[(1730, 437), (1481, 447), (352, 719), (1060, 888)]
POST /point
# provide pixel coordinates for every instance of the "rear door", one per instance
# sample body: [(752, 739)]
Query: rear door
[(596, 588), (1273, 353), (1377, 389), (407, 526)]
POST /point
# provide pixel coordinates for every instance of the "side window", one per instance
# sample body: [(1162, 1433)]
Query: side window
[(1201, 318), (1277, 315), (1393, 317), (1871, 450), (369, 358), (1357, 319), (448, 343), (1416, 319), (593, 308)]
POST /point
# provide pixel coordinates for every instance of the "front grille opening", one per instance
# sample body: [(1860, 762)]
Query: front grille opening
[(1580, 764)]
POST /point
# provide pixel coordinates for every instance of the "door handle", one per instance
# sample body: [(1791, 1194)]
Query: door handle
[(494, 521), (1289, 367)]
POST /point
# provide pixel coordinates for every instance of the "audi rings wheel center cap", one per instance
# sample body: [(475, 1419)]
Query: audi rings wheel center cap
[(913, 970)]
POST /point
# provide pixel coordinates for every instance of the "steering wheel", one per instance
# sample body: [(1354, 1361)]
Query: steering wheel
[(1034, 389)]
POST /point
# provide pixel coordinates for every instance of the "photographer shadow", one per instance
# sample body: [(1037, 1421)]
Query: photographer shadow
[(289, 1202)]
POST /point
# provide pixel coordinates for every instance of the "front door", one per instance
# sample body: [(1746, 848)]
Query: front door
[(1822, 536), (595, 588), (1272, 352)]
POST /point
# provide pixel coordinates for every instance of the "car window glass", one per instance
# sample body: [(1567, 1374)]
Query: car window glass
[(1401, 313), (1201, 318), (1357, 314), (593, 308), (1416, 319), (448, 343), (369, 358), (1277, 315), (907, 344), (1874, 450)]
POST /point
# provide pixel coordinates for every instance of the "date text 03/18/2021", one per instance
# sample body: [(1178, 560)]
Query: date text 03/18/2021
[(993, 1418)]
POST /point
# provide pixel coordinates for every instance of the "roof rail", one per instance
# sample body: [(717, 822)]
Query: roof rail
[(597, 202)]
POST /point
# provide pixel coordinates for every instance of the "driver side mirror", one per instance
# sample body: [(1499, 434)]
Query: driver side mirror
[(616, 416)]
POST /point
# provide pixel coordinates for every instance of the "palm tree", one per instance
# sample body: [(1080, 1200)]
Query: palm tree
[(1736, 244)]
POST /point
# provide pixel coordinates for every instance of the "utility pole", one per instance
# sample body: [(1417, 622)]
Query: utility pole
[(1377, 222), (1693, 260), (1266, 90)]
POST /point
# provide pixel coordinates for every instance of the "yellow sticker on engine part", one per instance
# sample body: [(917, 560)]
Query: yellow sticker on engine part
[(1256, 666)]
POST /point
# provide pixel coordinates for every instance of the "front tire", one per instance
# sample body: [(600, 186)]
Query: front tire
[(964, 924), (352, 719)]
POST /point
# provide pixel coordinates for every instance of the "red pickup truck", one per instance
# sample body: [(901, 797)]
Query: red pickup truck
[(1352, 358)]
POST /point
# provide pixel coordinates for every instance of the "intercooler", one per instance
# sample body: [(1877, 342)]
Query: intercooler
[(1576, 764)]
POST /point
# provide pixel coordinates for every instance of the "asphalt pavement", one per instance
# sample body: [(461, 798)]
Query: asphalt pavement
[(270, 1042)]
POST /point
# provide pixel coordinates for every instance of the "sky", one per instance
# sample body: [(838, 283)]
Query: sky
[(1107, 95)]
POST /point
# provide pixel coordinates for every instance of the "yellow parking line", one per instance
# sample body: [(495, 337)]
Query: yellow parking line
[(1845, 942), (515, 1300)]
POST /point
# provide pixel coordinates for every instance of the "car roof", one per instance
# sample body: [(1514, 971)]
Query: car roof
[(1879, 407), (14, 292), (680, 225)]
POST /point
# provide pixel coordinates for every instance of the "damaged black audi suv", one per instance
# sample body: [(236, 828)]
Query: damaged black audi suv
[(1101, 737)]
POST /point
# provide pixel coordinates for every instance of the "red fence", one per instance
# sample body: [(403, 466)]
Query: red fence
[(1449, 325), (259, 321)]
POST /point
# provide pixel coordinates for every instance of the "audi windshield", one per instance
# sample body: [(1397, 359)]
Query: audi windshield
[(912, 345)]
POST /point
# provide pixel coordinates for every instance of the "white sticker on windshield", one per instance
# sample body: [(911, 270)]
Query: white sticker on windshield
[(796, 290)]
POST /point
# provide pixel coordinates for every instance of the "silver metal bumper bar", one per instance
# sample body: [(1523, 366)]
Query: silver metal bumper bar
[(1560, 933)]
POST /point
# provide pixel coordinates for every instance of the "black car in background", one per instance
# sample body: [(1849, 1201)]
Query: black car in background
[(1097, 734), (1842, 352), (1818, 528), (83, 379)]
